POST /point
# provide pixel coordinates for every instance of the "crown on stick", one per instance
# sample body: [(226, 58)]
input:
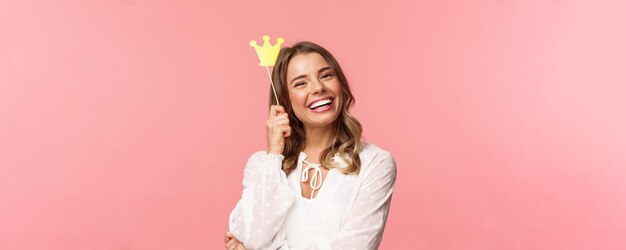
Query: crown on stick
[(268, 53)]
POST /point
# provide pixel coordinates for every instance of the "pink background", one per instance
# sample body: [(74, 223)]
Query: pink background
[(126, 124)]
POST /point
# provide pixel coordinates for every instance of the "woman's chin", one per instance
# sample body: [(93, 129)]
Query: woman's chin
[(322, 121)]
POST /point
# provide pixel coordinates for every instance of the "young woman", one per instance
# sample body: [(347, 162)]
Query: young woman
[(318, 186)]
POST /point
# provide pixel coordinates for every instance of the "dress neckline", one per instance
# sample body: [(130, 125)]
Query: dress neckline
[(301, 161)]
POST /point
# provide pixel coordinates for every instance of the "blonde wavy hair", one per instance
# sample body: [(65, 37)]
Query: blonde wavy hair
[(347, 142)]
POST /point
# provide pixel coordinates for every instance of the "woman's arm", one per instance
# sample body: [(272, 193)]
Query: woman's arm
[(264, 203)]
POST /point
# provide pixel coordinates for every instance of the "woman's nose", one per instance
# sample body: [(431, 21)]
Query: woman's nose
[(317, 86)]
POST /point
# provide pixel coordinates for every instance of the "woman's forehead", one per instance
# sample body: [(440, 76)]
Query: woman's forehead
[(305, 64)]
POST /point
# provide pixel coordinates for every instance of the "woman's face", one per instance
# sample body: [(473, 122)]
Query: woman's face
[(314, 90)]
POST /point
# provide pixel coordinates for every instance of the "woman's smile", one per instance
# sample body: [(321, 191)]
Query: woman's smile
[(322, 108), (321, 105)]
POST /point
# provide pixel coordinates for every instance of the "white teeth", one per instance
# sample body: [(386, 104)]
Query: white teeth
[(319, 103)]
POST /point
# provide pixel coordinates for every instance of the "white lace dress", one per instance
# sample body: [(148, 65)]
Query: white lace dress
[(348, 212)]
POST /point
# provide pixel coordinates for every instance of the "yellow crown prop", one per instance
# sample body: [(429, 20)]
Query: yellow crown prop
[(268, 53)]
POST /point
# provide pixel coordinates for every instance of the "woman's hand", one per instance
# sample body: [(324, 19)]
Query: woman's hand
[(233, 243), (277, 129)]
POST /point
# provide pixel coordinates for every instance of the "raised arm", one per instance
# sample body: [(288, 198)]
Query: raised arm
[(258, 217)]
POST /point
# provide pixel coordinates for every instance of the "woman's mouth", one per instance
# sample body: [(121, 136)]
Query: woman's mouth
[(322, 105)]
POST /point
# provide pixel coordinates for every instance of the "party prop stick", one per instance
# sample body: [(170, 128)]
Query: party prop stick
[(267, 56)]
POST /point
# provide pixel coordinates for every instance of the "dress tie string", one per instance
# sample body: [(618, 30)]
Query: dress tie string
[(316, 179)]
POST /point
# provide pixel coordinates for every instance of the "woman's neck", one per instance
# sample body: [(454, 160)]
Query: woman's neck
[(319, 138)]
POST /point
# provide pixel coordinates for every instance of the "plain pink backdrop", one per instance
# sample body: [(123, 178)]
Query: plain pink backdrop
[(126, 124)]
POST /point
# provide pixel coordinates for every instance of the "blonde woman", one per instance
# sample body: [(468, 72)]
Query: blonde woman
[(317, 186)]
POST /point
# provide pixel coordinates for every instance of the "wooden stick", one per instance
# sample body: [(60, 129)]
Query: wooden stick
[(272, 82)]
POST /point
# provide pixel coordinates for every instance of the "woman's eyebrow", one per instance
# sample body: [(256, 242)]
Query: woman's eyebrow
[(302, 76)]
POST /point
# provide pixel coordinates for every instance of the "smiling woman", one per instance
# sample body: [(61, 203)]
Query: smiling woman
[(317, 186)]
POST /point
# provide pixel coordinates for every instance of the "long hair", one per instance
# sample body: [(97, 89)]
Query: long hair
[(347, 142)]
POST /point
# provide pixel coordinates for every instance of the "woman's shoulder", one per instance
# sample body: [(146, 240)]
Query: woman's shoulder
[(371, 151), (375, 157)]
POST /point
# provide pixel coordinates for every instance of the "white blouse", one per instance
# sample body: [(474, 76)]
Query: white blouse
[(348, 212)]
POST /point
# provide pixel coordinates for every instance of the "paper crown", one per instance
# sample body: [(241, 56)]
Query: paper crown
[(268, 53)]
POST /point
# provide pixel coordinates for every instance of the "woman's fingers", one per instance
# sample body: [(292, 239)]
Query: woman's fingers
[(276, 110), (277, 120), (280, 117), (231, 244), (227, 236), (283, 128), (236, 245), (240, 246), (287, 132), (280, 123), (277, 129)]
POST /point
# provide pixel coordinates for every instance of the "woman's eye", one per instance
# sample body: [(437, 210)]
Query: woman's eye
[(298, 84), (325, 75)]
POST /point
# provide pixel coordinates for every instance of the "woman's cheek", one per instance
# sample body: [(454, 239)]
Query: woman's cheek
[(299, 99)]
